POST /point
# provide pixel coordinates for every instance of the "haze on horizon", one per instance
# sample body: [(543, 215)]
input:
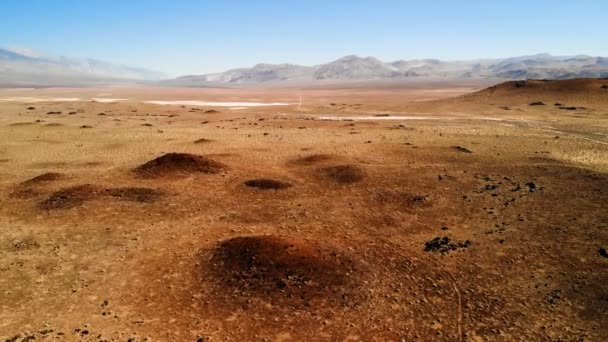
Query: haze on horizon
[(194, 37)]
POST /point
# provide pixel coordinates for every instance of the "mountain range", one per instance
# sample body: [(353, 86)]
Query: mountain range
[(355, 68), (18, 67), (23, 68)]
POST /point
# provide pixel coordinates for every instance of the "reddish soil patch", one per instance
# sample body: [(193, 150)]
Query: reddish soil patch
[(402, 200), (134, 194), (70, 197), (295, 271), (343, 174), (267, 184), (178, 164)]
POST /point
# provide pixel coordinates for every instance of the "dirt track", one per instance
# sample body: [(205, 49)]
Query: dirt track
[(271, 224)]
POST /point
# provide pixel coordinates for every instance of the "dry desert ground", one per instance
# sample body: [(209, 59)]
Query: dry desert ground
[(439, 213)]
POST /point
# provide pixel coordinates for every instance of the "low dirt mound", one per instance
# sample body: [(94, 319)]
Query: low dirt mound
[(343, 174), (312, 159), (70, 197), (134, 194), (573, 92), (178, 164), (45, 177), (202, 141), (267, 184), (281, 268), (33, 186)]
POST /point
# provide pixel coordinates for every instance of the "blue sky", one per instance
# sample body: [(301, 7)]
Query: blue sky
[(190, 37)]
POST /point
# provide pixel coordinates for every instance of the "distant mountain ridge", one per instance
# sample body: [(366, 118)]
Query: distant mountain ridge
[(22, 68), (355, 68)]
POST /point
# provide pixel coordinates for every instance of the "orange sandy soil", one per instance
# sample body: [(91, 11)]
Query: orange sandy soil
[(133, 222)]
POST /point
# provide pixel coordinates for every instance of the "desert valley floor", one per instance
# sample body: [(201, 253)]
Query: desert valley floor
[(438, 213)]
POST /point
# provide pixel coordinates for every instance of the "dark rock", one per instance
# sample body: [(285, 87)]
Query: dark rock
[(444, 245), (538, 103), (462, 149)]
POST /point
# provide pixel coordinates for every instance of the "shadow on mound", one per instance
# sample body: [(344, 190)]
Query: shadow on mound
[(76, 195), (343, 174), (134, 194), (70, 197), (312, 159), (178, 164), (267, 184), (281, 269)]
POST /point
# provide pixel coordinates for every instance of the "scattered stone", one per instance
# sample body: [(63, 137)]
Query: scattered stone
[(445, 245), (603, 252), (538, 103), (553, 297)]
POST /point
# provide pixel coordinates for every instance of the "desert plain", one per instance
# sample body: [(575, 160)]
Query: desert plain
[(439, 212)]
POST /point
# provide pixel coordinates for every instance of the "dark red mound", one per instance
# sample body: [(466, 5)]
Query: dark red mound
[(135, 194), (70, 197), (267, 184), (178, 164), (344, 174), (277, 267)]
